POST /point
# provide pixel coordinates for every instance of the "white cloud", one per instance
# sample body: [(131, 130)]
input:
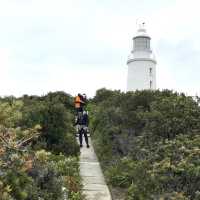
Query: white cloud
[(28, 8), (5, 80), (72, 80)]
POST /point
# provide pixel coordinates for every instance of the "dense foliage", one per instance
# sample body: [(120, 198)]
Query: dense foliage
[(148, 143), (38, 150), (54, 112)]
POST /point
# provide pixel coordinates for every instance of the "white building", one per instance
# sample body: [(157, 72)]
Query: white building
[(141, 63)]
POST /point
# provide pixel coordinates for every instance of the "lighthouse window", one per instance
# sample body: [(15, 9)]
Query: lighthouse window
[(148, 44), (142, 43), (150, 84), (150, 71)]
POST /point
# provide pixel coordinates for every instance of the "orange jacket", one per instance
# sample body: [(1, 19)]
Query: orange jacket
[(78, 102)]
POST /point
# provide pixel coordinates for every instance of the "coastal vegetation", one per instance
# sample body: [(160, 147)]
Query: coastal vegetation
[(38, 150), (148, 143)]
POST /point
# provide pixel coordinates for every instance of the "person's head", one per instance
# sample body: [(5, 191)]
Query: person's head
[(79, 94), (84, 96)]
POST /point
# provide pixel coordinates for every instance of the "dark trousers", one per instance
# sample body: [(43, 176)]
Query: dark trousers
[(81, 133), (80, 109)]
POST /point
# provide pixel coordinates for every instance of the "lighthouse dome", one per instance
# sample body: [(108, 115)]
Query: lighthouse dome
[(141, 33)]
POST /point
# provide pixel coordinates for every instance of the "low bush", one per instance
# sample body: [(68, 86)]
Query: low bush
[(148, 142), (38, 149)]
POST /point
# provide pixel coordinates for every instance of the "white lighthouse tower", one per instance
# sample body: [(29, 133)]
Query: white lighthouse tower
[(141, 63)]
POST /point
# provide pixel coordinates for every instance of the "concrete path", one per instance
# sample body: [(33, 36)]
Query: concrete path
[(94, 186)]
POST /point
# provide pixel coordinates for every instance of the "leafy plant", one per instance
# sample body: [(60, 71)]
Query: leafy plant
[(38, 150), (148, 142)]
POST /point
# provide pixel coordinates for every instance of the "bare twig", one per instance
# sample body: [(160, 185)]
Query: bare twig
[(26, 141), (4, 140)]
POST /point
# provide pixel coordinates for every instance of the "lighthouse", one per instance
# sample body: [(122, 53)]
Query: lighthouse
[(141, 63)]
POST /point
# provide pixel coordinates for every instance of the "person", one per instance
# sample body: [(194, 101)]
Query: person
[(83, 123), (84, 98), (79, 103)]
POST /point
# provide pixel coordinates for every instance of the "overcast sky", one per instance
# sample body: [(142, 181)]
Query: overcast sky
[(83, 45)]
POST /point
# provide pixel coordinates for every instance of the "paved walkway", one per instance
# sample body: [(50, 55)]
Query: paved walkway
[(94, 186)]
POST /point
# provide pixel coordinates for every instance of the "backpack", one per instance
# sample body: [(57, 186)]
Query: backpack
[(80, 118)]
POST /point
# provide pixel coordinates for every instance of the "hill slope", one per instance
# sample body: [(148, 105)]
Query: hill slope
[(38, 150), (148, 143)]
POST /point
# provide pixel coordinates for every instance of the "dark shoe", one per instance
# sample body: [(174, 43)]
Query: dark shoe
[(88, 146), (81, 145)]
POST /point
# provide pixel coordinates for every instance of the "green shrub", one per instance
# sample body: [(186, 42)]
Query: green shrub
[(36, 139), (148, 142), (54, 112)]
